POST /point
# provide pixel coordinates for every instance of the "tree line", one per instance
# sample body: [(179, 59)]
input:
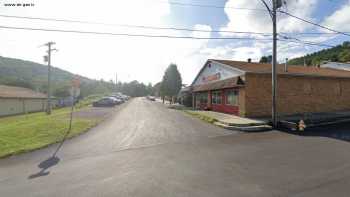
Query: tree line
[(339, 53), (171, 83)]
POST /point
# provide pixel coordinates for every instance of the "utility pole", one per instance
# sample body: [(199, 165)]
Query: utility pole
[(116, 82), (274, 64), (48, 59), (286, 65), (275, 5)]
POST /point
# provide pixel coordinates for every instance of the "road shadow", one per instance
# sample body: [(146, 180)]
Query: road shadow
[(336, 131), (49, 162)]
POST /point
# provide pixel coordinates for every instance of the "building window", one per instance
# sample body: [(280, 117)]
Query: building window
[(232, 97), (216, 97), (202, 98)]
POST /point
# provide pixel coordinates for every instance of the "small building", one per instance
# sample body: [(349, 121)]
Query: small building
[(18, 100), (245, 89), (185, 96)]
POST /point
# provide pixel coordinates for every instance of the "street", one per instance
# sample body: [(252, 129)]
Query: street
[(146, 149)]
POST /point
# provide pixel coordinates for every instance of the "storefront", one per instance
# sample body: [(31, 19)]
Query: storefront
[(225, 100), (244, 89), (217, 88)]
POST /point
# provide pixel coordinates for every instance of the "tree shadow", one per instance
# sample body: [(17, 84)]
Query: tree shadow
[(339, 131), (49, 162)]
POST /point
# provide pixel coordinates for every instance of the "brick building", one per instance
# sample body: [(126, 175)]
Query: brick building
[(244, 88)]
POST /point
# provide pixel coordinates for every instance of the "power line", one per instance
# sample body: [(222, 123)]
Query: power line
[(318, 25), (131, 35), (133, 26), (161, 28), (159, 36), (304, 41)]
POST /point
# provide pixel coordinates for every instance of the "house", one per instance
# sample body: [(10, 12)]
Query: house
[(18, 100), (336, 65), (245, 89)]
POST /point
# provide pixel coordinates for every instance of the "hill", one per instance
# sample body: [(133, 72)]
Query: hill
[(32, 75), (340, 53)]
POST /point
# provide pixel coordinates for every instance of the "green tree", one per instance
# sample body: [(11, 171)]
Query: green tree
[(345, 56), (339, 53), (171, 83), (62, 92), (266, 59), (316, 61)]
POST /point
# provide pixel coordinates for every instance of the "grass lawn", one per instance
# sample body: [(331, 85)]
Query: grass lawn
[(28, 132), (200, 116)]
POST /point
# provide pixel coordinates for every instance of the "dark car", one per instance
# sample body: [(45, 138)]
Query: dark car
[(105, 102), (119, 99), (151, 98)]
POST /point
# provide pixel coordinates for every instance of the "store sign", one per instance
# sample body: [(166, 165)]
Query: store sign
[(209, 78)]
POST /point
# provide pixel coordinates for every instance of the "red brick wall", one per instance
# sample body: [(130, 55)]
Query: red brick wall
[(295, 94)]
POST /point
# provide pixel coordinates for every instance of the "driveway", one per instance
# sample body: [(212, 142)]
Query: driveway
[(146, 149)]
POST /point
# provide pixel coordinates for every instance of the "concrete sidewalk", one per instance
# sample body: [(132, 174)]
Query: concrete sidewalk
[(233, 122)]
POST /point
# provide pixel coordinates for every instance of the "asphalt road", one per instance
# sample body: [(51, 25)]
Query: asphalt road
[(146, 149)]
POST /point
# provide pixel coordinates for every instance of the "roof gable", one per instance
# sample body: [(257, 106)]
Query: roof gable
[(214, 71)]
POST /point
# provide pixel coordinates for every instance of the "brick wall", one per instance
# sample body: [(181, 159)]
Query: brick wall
[(296, 94)]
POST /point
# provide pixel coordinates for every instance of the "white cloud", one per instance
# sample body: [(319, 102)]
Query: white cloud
[(257, 21), (96, 56), (340, 19), (260, 21)]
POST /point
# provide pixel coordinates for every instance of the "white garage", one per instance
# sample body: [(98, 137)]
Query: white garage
[(18, 100)]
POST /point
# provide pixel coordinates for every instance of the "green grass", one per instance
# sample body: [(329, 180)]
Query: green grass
[(201, 116), (23, 133)]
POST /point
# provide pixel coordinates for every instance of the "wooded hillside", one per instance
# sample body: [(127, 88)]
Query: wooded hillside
[(32, 75), (340, 53)]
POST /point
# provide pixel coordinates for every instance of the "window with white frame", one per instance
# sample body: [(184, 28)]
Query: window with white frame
[(231, 97), (216, 97)]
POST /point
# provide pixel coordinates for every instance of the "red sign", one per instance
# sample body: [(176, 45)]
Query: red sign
[(211, 77), (76, 82)]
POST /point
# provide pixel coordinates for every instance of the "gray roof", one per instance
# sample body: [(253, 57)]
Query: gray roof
[(19, 92), (337, 65)]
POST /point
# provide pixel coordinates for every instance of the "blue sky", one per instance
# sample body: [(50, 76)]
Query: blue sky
[(216, 18), (145, 59)]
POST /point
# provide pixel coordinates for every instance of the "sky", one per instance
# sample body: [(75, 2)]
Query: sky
[(145, 59)]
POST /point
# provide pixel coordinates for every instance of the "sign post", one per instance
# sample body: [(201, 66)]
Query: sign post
[(74, 92)]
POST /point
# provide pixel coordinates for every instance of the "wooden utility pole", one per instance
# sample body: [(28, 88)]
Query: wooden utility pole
[(48, 59), (116, 82), (274, 63), (273, 13)]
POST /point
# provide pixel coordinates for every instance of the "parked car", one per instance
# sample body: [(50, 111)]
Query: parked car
[(105, 102), (151, 98), (119, 98)]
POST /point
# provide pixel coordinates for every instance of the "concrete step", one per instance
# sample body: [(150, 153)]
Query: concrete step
[(243, 124), (245, 128)]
